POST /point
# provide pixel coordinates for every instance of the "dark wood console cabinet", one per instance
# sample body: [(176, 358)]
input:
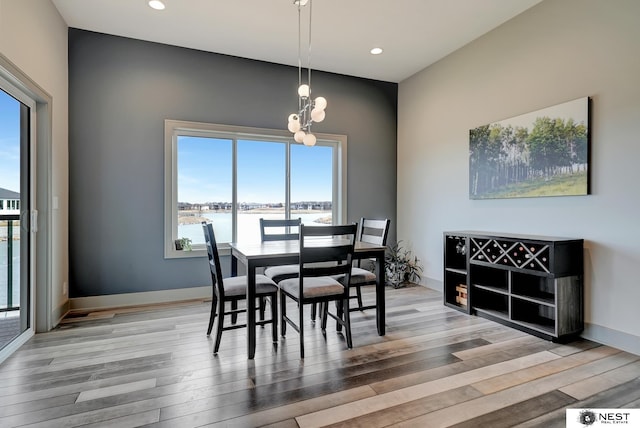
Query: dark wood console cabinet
[(532, 283)]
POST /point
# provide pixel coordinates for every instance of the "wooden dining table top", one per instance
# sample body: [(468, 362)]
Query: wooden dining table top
[(263, 250)]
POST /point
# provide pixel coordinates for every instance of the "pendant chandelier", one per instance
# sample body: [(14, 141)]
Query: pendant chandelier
[(309, 110)]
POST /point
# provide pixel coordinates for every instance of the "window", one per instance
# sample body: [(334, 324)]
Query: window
[(233, 176), (262, 190), (204, 182)]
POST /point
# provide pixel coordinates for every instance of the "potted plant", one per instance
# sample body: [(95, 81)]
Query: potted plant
[(401, 267), (183, 244)]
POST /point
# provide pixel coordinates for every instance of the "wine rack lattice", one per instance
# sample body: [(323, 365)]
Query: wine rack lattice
[(511, 253)]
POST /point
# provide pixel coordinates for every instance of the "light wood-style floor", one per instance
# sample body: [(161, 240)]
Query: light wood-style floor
[(435, 367), (9, 326)]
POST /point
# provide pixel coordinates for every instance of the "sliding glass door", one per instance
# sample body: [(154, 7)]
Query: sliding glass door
[(16, 215)]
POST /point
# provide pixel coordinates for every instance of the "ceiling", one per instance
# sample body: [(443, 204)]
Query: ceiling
[(413, 33)]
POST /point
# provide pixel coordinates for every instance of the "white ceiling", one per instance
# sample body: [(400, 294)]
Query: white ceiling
[(413, 33)]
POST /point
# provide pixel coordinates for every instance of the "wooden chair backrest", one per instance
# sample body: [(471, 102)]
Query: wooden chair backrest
[(280, 230), (214, 259), (327, 250), (373, 231)]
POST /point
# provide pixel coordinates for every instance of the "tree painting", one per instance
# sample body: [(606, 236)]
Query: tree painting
[(544, 153)]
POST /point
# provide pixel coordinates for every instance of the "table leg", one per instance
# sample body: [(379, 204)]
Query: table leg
[(380, 299), (251, 310)]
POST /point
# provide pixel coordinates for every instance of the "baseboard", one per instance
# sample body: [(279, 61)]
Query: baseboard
[(614, 338), (60, 312), (141, 298), (433, 284)]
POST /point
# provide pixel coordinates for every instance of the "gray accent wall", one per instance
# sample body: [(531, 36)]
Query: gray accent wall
[(121, 91)]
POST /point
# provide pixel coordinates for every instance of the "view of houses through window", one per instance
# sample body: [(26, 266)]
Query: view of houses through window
[(233, 182)]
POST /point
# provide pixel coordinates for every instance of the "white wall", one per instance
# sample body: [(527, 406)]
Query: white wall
[(557, 51), (33, 37)]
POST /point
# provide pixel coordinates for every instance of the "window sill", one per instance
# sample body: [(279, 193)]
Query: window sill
[(178, 254)]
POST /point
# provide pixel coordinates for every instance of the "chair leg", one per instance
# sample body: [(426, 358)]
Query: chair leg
[(313, 312), (274, 317), (216, 345), (359, 294), (283, 313), (324, 311), (301, 328), (263, 305), (234, 316), (214, 303), (339, 313), (347, 323)]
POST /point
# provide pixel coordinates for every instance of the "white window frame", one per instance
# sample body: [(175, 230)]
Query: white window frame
[(175, 128)]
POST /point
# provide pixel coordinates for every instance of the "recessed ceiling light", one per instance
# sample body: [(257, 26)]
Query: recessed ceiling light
[(156, 4), (376, 51)]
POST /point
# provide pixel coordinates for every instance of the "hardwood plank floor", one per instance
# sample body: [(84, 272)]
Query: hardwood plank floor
[(9, 326), (153, 366)]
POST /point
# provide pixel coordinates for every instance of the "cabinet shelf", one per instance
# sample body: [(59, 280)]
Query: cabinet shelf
[(490, 278), (492, 289), (459, 271), (489, 300), (546, 300), (493, 313), (532, 283), (456, 273), (545, 327)]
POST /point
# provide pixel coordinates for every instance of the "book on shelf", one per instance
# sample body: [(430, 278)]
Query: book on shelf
[(461, 300), (461, 297)]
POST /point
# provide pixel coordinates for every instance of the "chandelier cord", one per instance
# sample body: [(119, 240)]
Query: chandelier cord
[(309, 51), (309, 109), (299, 52)]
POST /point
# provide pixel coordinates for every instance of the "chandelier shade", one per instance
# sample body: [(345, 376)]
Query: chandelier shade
[(309, 110)]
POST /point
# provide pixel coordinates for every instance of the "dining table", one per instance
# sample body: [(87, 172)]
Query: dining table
[(254, 255)]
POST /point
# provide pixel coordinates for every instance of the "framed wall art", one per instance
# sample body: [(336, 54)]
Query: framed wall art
[(542, 153)]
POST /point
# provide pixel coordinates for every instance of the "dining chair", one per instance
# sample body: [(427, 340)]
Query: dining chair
[(375, 232), (280, 230), (325, 251), (233, 290)]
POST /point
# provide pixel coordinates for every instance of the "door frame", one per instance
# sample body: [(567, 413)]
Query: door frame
[(41, 309)]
